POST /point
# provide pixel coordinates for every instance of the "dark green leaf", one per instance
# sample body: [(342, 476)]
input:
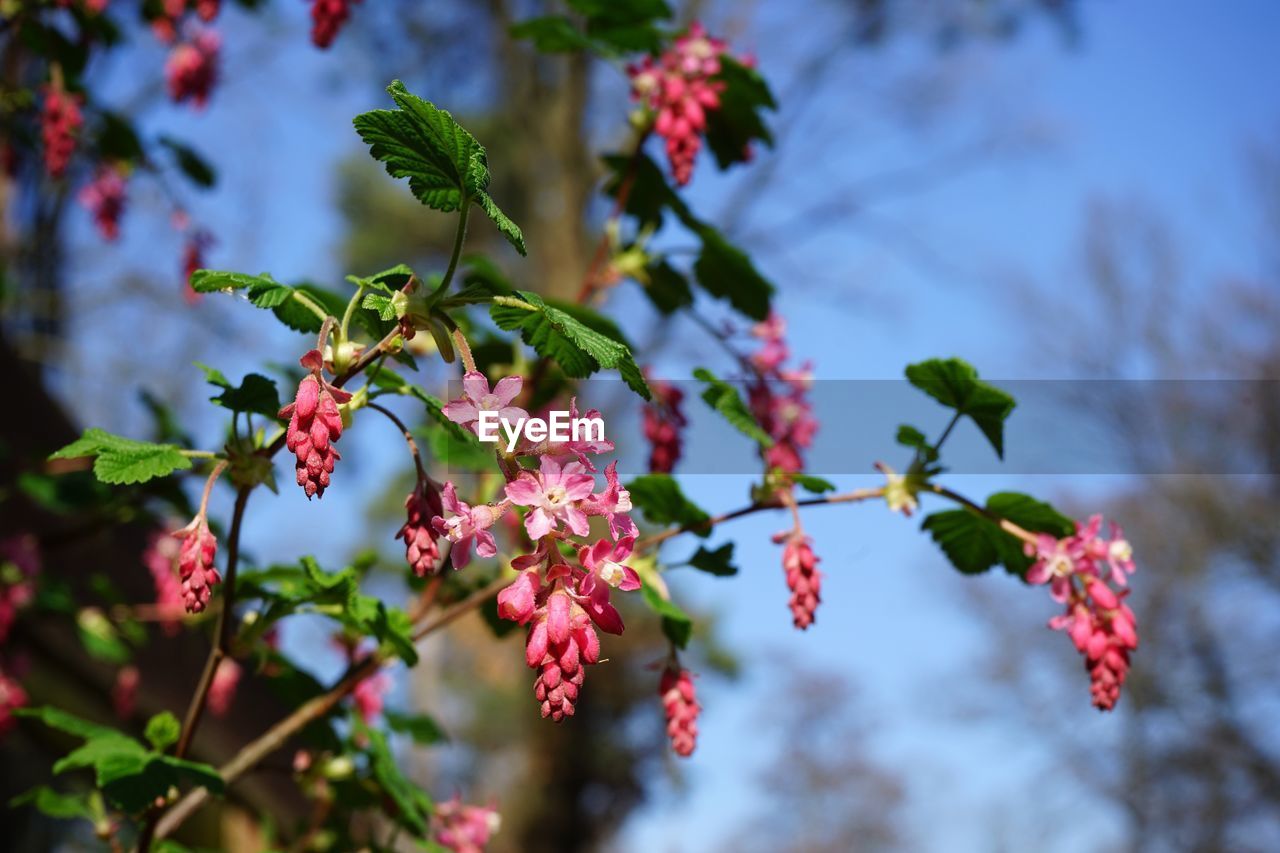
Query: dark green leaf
[(726, 272), (724, 398), (737, 124), (955, 384), (667, 288), (195, 167), (659, 497), (256, 392), (718, 562), (974, 543)]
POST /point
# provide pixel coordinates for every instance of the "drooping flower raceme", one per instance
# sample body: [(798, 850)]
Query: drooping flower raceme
[(327, 18), (195, 564), (1079, 569), (680, 87), (418, 532), (60, 122), (105, 198), (314, 425), (680, 705), (803, 578), (663, 423), (461, 828), (192, 68)]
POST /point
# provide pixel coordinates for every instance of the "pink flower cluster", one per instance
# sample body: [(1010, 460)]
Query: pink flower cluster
[(418, 532), (60, 122), (192, 68), (461, 828), (803, 578), (562, 604), (195, 564), (369, 695), (779, 397), (1080, 570), (19, 565), (161, 558), (327, 19), (663, 422), (680, 704), (105, 198), (314, 425), (222, 692), (680, 87), (12, 697), (164, 25)]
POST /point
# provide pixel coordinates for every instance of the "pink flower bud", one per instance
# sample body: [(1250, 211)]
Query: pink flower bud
[(681, 708)]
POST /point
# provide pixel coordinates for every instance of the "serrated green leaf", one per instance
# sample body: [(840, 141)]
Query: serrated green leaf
[(955, 384), (212, 281), (661, 500), (446, 167), (123, 461), (718, 562), (163, 731), (974, 543), (380, 304), (554, 333), (423, 729), (724, 398)]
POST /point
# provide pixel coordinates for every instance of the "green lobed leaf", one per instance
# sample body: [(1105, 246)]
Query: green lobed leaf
[(955, 384), (718, 562), (123, 461), (446, 167), (556, 334), (724, 398), (661, 500), (256, 393), (974, 543)]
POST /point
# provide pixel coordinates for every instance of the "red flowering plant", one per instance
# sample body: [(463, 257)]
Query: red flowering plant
[(550, 535)]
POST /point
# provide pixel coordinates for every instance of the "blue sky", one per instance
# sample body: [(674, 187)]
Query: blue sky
[(1156, 102)]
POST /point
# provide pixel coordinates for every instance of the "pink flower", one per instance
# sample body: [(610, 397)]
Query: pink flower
[(779, 398), (222, 692), (461, 828), (518, 601), (368, 696), (803, 578), (561, 643), (60, 122), (195, 564), (1120, 556), (467, 524), (1056, 562), (161, 560), (314, 424), (663, 422), (555, 493), (19, 565), (418, 533), (192, 68), (581, 449), (614, 503), (104, 198), (477, 398), (680, 704), (327, 18), (124, 693), (12, 697), (604, 568)]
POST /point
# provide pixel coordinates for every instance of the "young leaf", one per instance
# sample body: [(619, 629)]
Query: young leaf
[(955, 384), (717, 562), (974, 543), (659, 497), (163, 731), (724, 398), (556, 334), (123, 461), (446, 167)]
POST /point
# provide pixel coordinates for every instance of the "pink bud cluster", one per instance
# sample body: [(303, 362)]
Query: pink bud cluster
[(562, 604), (192, 68), (222, 691), (165, 25), (663, 422), (195, 564), (19, 565), (105, 198), (327, 19), (779, 397), (161, 558), (800, 565), (1081, 570), (418, 532), (60, 122), (680, 87), (12, 697), (314, 425), (680, 704), (462, 828)]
